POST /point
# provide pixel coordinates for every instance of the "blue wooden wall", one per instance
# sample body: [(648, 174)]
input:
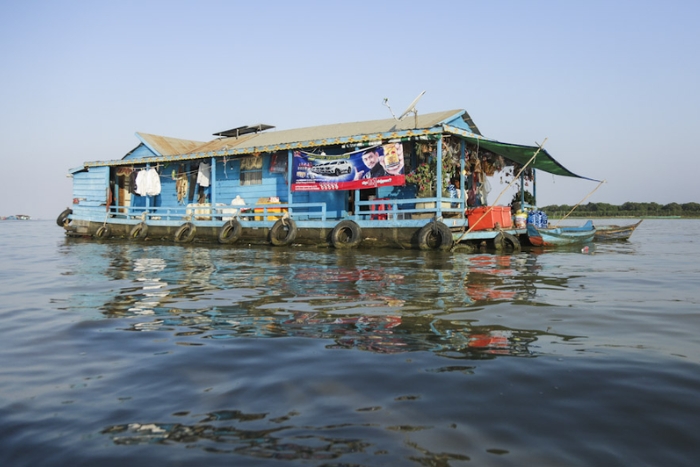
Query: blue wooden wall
[(90, 186), (227, 185), (141, 151), (336, 201)]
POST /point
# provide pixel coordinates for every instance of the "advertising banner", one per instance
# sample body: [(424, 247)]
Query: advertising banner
[(381, 165)]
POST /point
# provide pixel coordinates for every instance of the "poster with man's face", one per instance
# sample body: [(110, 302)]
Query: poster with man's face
[(369, 168)]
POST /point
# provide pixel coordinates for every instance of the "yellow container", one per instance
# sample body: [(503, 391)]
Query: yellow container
[(269, 210)]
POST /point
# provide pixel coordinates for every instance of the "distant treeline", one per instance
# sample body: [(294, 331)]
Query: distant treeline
[(625, 210)]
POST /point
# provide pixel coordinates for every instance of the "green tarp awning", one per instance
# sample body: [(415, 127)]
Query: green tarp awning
[(522, 154)]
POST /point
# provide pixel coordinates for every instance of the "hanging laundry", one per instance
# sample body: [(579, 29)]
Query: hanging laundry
[(147, 183), (181, 185), (153, 182), (191, 183), (203, 174), (140, 183), (132, 182)]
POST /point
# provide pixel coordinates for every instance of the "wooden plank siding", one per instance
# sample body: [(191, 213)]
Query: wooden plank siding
[(227, 184), (90, 186)]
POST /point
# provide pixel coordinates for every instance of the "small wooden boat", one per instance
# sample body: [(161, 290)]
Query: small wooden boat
[(560, 235), (606, 233)]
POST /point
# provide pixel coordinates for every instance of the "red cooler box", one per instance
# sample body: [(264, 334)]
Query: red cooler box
[(497, 214)]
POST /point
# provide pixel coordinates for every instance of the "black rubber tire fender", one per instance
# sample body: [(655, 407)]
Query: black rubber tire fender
[(283, 232), (103, 231), (62, 218), (185, 233), (230, 232), (139, 231), (506, 242), (346, 234), (435, 236)]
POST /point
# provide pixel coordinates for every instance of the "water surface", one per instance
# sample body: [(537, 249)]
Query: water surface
[(150, 353)]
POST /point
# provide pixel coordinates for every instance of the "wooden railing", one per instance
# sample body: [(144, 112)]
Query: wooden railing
[(266, 214)]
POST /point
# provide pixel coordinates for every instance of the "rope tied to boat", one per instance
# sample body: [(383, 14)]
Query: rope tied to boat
[(104, 224), (434, 224)]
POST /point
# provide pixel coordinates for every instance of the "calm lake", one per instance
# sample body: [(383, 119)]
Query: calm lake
[(117, 353)]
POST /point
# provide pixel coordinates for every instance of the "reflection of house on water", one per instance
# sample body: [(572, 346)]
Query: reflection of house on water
[(379, 303), (396, 334), (491, 278), (154, 289), (194, 273), (150, 277)]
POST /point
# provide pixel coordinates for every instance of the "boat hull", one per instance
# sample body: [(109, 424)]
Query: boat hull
[(560, 236), (420, 234), (615, 232)]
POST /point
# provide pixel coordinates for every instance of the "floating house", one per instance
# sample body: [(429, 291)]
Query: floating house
[(418, 182)]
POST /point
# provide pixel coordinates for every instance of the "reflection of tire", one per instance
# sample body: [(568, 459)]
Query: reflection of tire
[(139, 231), (230, 232), (103, 231), (185, 233), (346, 234), (283, 232), (435, 236), (506, 242), (63, 217)]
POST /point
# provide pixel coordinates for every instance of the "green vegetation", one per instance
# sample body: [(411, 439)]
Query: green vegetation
[(626, 210), (528, 198)]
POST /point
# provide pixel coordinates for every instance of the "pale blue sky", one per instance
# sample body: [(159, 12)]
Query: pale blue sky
[(612, 85)]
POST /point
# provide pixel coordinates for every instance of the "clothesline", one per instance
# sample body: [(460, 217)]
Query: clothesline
[(157, 168)]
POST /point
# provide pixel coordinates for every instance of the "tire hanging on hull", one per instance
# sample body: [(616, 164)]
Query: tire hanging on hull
[(139, 231), (103, 231), (283, 232), (346, 234), (506, 242), (185, 233), (435, 236), (63, 219), (230, 232)]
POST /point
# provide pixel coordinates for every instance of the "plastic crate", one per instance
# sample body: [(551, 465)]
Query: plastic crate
[(496, 215)]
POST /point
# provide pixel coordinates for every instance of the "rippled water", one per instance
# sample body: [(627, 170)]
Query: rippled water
[(153, 354)]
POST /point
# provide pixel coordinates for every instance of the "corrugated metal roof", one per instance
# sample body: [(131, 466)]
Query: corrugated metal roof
[(172, 149), (367, 132), (166, 146), (222, 144), (338, 131)]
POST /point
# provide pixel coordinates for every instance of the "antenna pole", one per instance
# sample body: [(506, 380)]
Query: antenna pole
[(386, 102)]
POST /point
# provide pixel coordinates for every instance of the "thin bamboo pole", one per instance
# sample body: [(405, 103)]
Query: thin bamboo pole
[(579, 203)]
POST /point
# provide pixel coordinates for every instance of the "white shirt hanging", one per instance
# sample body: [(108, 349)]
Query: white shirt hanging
[(147, 183), (203, 174), (153, 182), (140, 183)]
